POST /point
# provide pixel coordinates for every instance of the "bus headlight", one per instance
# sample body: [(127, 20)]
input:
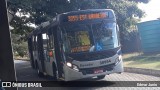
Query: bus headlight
[(74, 67), (118, 59), (69, 64)]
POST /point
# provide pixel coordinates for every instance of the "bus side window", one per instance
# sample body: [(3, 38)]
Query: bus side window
[(45, 38)]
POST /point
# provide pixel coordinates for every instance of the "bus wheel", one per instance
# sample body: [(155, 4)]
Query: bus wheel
[(40, 74), (101, 77)]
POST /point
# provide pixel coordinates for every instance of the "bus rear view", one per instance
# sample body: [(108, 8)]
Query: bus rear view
[(90, 42)]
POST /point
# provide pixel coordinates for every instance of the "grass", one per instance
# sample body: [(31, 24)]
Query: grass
[(140, 60)]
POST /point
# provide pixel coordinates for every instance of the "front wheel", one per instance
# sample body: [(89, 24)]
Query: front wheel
[(101, 77), (40, 74)]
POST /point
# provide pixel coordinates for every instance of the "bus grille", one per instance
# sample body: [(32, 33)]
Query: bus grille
[(94, 56), (91, 70)]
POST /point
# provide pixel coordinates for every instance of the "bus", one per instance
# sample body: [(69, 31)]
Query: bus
[(76, 45)]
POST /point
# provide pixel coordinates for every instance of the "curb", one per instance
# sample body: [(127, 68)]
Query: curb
[(142, 71)]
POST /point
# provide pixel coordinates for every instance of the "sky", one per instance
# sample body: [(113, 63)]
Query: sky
[(152, 10)]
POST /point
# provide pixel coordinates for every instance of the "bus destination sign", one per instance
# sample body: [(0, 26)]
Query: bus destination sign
[(87, 16)]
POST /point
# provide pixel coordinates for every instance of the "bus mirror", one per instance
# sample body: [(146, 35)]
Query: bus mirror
[(50, 53)]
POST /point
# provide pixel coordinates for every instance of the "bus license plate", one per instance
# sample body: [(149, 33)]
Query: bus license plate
[(98, 71)]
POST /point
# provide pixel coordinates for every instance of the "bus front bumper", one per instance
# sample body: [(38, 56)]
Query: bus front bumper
[(71, 74)]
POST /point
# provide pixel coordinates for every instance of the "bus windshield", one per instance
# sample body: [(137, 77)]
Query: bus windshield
[(89, 37)]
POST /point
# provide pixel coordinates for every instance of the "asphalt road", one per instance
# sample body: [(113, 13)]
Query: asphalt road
[(24, 72)]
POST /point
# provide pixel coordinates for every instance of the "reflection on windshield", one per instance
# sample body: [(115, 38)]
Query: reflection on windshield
[(90, 38), (105, 36)]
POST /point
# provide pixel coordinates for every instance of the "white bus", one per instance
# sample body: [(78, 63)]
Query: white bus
[(76, 45)]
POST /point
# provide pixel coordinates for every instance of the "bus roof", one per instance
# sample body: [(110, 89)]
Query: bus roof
[(87, 10), (56, 19)]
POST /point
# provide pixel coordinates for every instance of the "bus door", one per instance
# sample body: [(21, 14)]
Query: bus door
[(59, 53), (48, 48), (40, 53)]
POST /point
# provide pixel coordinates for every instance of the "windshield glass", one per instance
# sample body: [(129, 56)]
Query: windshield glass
[(89, 37)]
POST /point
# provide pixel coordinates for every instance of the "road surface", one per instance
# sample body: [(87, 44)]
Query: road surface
[(24, 72)]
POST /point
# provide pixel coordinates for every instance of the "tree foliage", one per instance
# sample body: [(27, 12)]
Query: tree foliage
[(42, 10), (19, 46)]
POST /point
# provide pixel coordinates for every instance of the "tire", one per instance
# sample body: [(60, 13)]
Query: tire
[(40, 74), (101, 77)]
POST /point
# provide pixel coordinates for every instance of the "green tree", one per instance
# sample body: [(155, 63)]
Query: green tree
[(43, 10), (19, 46)]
